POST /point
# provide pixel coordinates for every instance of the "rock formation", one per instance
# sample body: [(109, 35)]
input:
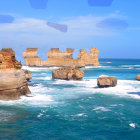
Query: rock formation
[(62, 59), (68, 73), (138, 77), (28, 75), (13, 83), (106, 81)]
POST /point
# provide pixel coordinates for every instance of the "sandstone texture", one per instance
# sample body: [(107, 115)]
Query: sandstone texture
[(28, 75), (106, 81), (68, 73), (138, 77), (13, 83), (62, 59)]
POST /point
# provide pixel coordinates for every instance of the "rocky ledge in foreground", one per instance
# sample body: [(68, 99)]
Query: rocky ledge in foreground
[(13, 83), (68, 73), (106, 81)]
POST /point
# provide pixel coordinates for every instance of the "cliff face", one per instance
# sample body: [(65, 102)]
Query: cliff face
[(58, 58), (13, 81)]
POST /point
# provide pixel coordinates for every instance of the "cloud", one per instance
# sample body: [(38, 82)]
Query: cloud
[(6, 18), (102, 3), (78, 26), (60, 27), (35, 32), (38, 4), (113, 23)]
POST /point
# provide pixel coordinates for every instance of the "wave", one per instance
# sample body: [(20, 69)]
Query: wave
[(38, 69), (101, 108), (129, 88), (39, 88), (132, 125), (35, 100), (5, 115), (44, 96), (43, 78), (39, 97)]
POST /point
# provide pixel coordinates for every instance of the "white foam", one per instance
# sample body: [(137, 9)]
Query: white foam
[(43, 78), (39, 88), (101, 108), (132, 125), (103, 76), (39, 115), (5, 116), (124, 88), (38, 69), (81, 114), (88, 67)]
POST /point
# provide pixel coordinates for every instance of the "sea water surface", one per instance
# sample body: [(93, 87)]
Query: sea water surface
[(76, 110)]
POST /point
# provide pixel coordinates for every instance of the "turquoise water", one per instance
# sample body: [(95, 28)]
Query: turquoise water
[(76, 110)]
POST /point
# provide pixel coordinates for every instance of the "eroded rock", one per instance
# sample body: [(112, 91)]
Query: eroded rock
[(138, 77), (68, 73), (13, 83), (106, 81), (28, 75), (62, 59)]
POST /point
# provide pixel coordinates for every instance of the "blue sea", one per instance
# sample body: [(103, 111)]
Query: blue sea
[(76, 110)]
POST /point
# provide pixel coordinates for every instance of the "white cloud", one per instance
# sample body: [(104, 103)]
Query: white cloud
[(31, 31)]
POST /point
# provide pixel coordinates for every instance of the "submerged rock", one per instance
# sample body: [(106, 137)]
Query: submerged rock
[(106, 81), (138, 77), (13, 83), (68, 73), (28, 75)]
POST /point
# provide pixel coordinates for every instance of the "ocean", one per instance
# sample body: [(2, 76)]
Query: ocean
[(76, 110)]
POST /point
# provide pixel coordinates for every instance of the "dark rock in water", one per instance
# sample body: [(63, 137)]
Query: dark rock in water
[(138, 77), (106, 81), (28, 75), (13, 83), (68, 73)]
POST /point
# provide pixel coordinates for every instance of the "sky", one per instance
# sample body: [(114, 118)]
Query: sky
[(112, 26)]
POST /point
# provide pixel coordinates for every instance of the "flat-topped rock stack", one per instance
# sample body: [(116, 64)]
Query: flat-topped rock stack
[(13, 83), (62, 59), (106, 81), (68, 73)]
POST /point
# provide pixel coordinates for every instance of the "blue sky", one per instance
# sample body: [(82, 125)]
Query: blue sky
[(113, 26)]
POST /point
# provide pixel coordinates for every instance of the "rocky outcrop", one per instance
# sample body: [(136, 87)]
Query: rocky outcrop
[(106, 81), (138, 77), (13, 83), (62, 59), (28, 75), (68, 73)]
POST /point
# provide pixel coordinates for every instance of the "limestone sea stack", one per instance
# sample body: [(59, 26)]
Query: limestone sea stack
[(68, 73), (61, 59), (13, 83), (106, 81), (138, 77)]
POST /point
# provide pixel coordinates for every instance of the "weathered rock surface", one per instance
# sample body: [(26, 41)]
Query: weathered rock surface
[(68, 73), (62, 59), (138, 77), (28, 75), (106, 81), (13, 83)]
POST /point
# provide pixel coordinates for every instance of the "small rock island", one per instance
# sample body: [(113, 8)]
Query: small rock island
[(13, 81), (62, 59)]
